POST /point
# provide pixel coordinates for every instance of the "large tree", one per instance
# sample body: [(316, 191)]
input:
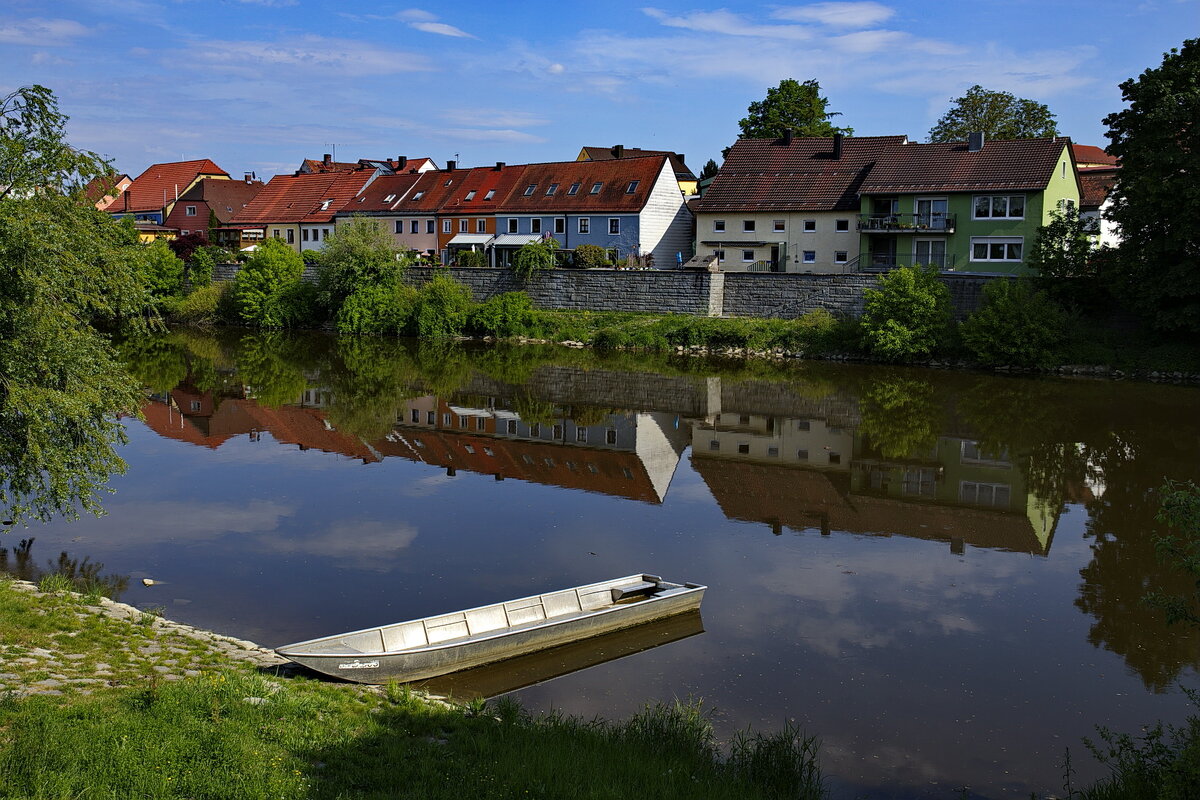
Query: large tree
[(999, 115), (794, 105), (1157, 195)]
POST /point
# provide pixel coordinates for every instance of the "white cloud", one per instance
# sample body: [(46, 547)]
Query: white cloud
[(441, 28), (496, 135), (331, 57), (727, 23), (840, 15), (41, 32), (362, 544), (505, 117), (416, 15)]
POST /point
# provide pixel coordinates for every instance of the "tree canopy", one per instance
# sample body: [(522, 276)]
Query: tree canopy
[(710, 169), (794, 105), (34, 156), (1155, 199), (999, 115)]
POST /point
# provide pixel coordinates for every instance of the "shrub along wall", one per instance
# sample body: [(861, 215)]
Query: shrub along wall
[(737, 294)]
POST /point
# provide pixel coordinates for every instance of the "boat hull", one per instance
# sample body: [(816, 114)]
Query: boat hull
[(428, 662)]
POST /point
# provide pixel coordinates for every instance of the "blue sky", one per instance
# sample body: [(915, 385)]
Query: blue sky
[(260, 84)]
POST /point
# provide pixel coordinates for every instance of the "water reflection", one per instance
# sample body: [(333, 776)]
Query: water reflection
[(85, 574), (874, 537)]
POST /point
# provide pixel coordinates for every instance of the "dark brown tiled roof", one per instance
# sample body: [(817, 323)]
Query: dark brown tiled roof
[(302, 198), (431, 190), (682, 172), (225, 198), (157, 186), (1095, 184), (767, 174), (1017, 164), (614, 177)]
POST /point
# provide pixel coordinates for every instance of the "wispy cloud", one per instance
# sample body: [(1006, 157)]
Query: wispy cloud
[(39, 32), (427, 22), (331, 57), (840, 15), (504, 117), (496, 135), (270, 3), (726, 23)]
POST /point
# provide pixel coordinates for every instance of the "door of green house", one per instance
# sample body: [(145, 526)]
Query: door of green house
[(930, 251), (932, 213)]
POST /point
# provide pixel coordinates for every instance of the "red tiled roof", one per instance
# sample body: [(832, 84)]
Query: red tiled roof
[(315, 165), (1095, 184), (372, 200), (158, 185), (1087, 155), (607, 153), (614, 177), (1016, 164), (481, 180), (305, 197), (431, 191), (767, 174), (224, 198)]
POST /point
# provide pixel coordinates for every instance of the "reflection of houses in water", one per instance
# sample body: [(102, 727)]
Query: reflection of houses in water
[(627, 454), (763, 469)]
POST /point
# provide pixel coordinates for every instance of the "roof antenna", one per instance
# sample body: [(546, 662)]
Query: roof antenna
[(333, 149)]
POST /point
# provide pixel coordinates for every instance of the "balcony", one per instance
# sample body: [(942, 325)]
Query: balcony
[(934, 223), (883, 262)]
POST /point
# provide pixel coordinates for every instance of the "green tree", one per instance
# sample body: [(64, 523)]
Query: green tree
[(263, 283), (1015, 326), (907, 316), (34, 156), (1066, 259), (1155, 200), (999, 115), (162, 272), (794, 105), (710, 169), (357, 254), (534, 257)]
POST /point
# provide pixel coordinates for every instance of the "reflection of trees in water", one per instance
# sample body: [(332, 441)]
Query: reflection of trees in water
[(901, 415), (368, 381), (83, 574), (270, 364)]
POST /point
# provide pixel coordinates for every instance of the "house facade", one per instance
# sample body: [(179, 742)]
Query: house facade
[(210, 204), (300, 209), (152, 196)]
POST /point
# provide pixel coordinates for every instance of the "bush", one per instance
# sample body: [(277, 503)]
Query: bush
[(263, 283), (1015, 326), (202, 307), (442, 308), (533, 258), (377, 309), (505, 315), (475, 259), (590, 255), (162, 272), (357, 254), (908, 316)]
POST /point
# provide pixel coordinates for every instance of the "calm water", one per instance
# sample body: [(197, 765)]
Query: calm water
[(937, 573)]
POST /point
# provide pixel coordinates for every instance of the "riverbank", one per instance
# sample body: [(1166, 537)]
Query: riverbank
[(101, 699)]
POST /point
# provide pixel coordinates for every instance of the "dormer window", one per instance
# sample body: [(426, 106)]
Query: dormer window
[(530, 189), (574, 188), (470, 195), (632, 187), (490, 194), (551, 189), (596, 187)]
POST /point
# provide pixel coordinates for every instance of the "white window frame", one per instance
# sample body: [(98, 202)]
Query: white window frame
[(808, 257), (632, 187), (989, 241), (430, 226), (464, 225), (490, 194), (778, 226), (535, 224), (718, 226), (747, 226), (991, 198), (614, 229), (750, 258), (596, 187), (585, 225), (447, 226), (189, 211), (512, 225), (809, 226), (530, 189), (574, 188), (560, 224), (720, 254), (399, 226), (841, 256), (481, 226)]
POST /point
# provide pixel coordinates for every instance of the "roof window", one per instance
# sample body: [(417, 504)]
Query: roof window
[(632, 187), (470, 195), (448, 181), (389, 198), (529, 189), (325, 205), (596, 187), (419, 195), (490, 194), (551, 189), (574, 188)]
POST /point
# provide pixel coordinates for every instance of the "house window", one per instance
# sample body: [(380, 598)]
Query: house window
[(276, 233), (464, 225), (841, 225), (430, 419), (614, 226), (714, 444), (551, 189), (581, 434), (291, 236), (470, 195), (418, 195), (190, 211), (490, 194), (387, 199), (802, 455), (558, 433), (810, 257), (744, 448), (530, 189), (481, 423), (512, 225), (632, 187), (446, 420), (447, 226), (535, 430), (773, 452), (810, 226), (481, 226), (415, 415), (448, 182), (1010, 206), (414, 226), (560, 224), (997, 248), (610, 436), (511, 427), (470, 450), (984, 494), (747, 226), (573, 188), (400, 226), (585, 224), (596, 187), (718, 226), (720, 254), (839, 257), (429, 226), (777, 226), (835, 458), (316, 236), (535, 225), (747, 255)]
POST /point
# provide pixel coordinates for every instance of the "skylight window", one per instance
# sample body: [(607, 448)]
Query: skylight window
[(632, 187), (470, 195), (419, 195), (389, 198), (574, 188), (325, 205), (596, 187), (529, 189), (448, 181), (490, 194), (551, 189)]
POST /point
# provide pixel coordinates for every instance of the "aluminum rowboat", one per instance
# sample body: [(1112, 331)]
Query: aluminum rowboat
[(424, 648)]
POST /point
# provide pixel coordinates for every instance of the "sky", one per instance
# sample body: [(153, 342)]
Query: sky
[(258, 85)]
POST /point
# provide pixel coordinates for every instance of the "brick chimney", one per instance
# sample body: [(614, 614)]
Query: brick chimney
[(788, 133), (401, 163), (837, 146), (327, 160), (499, 166), (618, 150), (974, 141)]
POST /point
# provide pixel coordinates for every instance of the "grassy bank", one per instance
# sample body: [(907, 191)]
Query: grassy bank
[(112, 723)]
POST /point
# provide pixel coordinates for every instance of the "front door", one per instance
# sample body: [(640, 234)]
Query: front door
[(932, 214), (930, 251)]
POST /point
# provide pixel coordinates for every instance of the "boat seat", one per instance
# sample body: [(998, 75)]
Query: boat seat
[(632, 589)]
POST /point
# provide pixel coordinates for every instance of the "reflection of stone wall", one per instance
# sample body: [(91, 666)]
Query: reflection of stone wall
[(597, 387)]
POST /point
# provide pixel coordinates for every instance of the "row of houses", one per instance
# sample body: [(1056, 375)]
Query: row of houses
[(790, 204)]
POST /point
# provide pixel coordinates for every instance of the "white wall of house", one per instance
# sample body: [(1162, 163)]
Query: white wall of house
[(666, 222), (421, 241), (811, 240), (312, 237)]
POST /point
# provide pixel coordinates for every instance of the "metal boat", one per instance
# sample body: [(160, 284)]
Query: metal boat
[(424, 648)]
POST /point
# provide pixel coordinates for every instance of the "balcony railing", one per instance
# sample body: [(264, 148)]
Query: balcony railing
[(882, 262), (906, 223)]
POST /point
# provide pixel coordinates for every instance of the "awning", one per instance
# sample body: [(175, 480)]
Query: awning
[(470, 239), (516, 239)]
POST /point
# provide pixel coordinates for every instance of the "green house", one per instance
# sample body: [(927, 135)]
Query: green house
[(970, 206)]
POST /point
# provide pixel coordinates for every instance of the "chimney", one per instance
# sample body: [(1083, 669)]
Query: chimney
[(327, 160), (125, 198), (401, 163), (249, 177), (974, 142), (618, 150), (837, 146), (787, 136), (450, 166), (499, 166), (682, 160)]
